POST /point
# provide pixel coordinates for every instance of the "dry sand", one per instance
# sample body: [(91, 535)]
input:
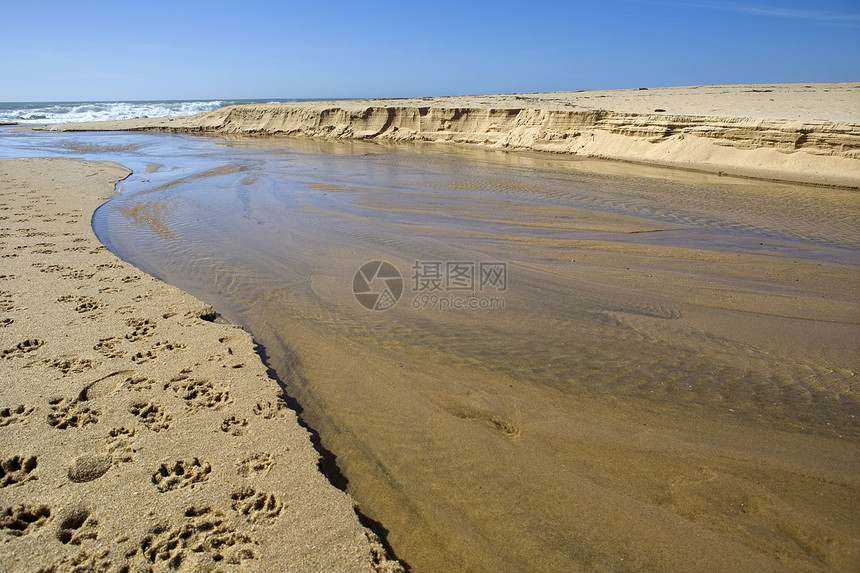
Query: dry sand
[(135, 433), (788, 132)]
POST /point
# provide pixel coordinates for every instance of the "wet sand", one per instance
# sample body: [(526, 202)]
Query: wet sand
[(670, 384), (136, 434)]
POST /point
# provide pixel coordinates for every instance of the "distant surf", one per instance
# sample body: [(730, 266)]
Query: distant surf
[(67, 112)]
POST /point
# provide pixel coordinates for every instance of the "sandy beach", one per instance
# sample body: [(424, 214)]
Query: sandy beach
[(670, 386), (136, 433), (808, 133)]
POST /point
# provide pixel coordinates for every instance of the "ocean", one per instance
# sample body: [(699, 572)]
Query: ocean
[(68, 112)]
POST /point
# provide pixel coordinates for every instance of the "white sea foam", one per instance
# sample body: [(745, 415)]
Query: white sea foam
[(49, 113)]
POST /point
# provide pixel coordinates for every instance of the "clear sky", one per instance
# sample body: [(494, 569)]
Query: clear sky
[(188, 49)]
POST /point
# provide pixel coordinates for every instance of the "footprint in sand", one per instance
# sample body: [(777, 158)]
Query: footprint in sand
[(201, 541), (14, 415), (23, 519), (18, 470), (121, 445), (141, 328), (199, 393), (257, 507), (257, 464), (89, 467), (71, 413), (151, 416), (270, 409), (181, 474), (83, 304), (137, 383), (234, 426), (71, 365), (77, 526), (23, 347), (7, 303), (108, 347), (141, 357)]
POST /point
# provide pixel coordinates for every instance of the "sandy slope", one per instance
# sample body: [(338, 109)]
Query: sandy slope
[(805, 133), (136, 434)]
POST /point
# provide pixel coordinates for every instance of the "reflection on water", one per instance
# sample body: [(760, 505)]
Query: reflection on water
[(671, 381)]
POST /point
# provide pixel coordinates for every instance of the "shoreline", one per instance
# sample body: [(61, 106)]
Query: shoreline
[(797, 514), (801, 133), (137, 432)]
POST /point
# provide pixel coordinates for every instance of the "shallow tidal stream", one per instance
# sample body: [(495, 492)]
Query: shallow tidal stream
[(571, 365)]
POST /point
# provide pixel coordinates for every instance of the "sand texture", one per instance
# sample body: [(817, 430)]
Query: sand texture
[(135, 433), (802, 133)]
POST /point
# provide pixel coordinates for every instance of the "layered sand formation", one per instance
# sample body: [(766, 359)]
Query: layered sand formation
[(136, 434), (803, 133)]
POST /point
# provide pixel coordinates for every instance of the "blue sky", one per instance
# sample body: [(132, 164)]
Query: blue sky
[(134, 49)]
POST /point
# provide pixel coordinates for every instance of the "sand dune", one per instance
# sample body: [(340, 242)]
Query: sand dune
[(803, 133), (136, 433)]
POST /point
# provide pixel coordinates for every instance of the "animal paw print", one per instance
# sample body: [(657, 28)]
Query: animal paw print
[(257, 507), (87, 304), (23, 348), (271, 409), (22, 519), (77, 274), (141, 357), (6, 321), (120, 444), (71, 413), (84, 304), (151, 416), (204, 533), (167, 345), (181, 474), (234, 426), (259, 463), (138, 383), (141, 327), (199, 393), (71, 365), (76, 527), (108, 347), (18, 470), (6, 301), (14, 415)]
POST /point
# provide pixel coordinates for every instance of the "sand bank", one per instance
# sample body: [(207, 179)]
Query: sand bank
[(135, 433), (802, 133)]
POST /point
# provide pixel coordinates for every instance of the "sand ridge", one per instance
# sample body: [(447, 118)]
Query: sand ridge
[(135, 432), (792, 132)]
